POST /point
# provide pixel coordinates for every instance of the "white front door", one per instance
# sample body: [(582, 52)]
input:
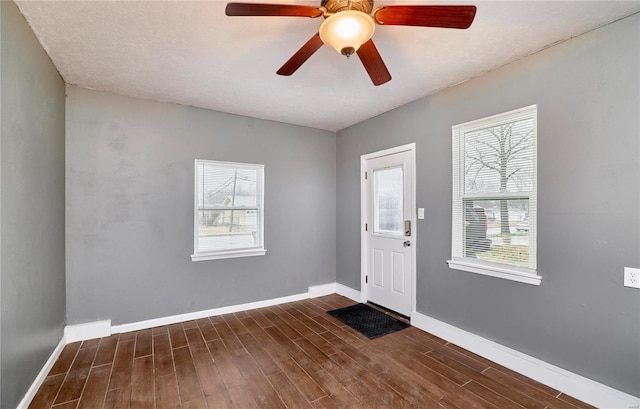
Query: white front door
[(389, 226)]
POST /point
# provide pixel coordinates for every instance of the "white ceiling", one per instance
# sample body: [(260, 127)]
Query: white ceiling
[(191, 53)]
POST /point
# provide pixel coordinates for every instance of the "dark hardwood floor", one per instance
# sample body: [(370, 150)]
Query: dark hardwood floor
[(288, 356)]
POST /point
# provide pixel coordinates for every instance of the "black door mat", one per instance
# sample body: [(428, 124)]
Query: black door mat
[(368, 321)]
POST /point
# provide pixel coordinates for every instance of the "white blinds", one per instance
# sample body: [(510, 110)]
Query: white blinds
[(228, 206), (494, 203)]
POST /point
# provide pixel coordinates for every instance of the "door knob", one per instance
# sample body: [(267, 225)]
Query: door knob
[(407, 243)]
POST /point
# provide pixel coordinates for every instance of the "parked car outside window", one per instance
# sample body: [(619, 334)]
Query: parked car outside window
[(475, 230)]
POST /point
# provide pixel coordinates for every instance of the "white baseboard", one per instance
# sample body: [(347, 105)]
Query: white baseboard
[(314, 291), (136, 326), (591, 392), (98, 329), (348, 292), (322, 290), (90, 330), (26, 400)]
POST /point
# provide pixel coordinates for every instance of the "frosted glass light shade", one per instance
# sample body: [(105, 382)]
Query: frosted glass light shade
[(347, 30)]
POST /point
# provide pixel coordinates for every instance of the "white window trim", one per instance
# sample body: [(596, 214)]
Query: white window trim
[(458, 262), (234, 253), (228, 254), (500, 271)]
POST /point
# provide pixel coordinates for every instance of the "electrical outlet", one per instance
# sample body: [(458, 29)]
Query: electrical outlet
[(632, 277)]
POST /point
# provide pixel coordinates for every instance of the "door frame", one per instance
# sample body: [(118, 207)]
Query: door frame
[(364, 215)]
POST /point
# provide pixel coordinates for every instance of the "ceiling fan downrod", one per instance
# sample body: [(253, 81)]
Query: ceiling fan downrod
[(335, 6)]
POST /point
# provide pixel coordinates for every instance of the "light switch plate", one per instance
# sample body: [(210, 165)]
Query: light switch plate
[(420, 212)]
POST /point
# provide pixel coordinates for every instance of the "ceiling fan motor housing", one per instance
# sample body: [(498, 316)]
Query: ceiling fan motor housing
[(334, 6)]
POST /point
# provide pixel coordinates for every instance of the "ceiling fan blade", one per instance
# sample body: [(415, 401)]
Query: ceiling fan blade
[(256, 9), (301, 55), (427, 16), (373, 63)]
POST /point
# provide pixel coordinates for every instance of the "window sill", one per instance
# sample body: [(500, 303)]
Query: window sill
[(507, 273), (228, 254)]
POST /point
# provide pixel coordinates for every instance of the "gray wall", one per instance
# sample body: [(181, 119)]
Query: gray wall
[(581, 317), (130, 208), (32, 126)]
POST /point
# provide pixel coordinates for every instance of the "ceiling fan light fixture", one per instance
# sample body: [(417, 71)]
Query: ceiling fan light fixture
[(347, 30)]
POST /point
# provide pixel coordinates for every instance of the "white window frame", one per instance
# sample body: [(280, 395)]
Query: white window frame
[(458, 261), (231, 253)]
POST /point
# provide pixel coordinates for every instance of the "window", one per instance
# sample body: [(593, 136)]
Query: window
[(229, 210), (494, 196)]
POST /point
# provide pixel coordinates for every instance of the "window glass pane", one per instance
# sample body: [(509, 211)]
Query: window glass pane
[(497, 230), (500, 158), (227, 229), (226, 186), (387, 201)]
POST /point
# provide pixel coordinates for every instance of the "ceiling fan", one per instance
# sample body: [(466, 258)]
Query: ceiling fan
[(349, 25)]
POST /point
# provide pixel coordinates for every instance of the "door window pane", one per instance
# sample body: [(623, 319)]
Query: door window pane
[(388, 205)]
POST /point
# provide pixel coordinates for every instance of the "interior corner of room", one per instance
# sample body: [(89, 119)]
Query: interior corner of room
[(96, 210)]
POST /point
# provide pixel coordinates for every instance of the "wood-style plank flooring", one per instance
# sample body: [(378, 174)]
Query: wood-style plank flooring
[(288, 356)]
